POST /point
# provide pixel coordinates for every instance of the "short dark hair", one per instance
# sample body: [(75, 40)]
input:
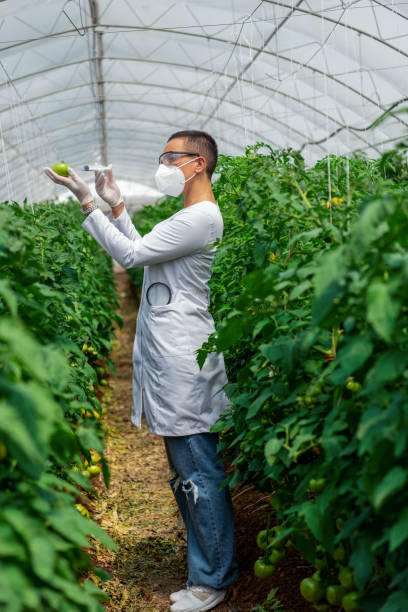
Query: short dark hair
[(203, 143)]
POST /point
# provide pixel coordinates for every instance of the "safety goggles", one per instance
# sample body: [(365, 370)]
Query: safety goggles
[(169, 157)]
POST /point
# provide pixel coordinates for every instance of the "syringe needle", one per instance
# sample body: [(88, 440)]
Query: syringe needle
[(95, 168)]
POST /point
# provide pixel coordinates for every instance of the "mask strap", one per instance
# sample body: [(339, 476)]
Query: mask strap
[(189, 179), (195, 173), (188, 162)]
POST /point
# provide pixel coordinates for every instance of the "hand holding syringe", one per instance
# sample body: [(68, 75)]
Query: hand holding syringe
[(105, 185)]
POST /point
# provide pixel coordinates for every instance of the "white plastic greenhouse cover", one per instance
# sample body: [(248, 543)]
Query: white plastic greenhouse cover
[(111, 80)]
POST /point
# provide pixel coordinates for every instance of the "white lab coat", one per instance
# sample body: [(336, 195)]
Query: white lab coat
[(176, 397)]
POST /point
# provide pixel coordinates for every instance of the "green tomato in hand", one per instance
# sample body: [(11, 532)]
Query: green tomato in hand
[(61, 168)]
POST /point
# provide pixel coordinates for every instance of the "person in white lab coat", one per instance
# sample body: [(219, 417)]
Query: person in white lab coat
[(180, 402)]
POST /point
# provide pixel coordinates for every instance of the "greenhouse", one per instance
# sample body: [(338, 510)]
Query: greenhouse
[(203, 305)]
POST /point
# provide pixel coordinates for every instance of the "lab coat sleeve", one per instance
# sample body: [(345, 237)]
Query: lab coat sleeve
[(184, 234), (124, 224)]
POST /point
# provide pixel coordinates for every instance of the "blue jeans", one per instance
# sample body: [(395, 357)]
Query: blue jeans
[(206, 511)]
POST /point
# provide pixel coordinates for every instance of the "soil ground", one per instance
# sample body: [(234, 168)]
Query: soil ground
[(139, 512)]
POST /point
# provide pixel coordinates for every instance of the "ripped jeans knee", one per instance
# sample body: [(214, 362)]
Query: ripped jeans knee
[(187, 486)]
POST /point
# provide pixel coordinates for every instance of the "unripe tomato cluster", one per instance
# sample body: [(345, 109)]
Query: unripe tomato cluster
[(353, 385), (323, 595), (331, 586), (90, 350), (92, 469), (269, 540), (101, 372)]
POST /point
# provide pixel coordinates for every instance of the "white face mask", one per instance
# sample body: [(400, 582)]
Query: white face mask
[(170, 179)]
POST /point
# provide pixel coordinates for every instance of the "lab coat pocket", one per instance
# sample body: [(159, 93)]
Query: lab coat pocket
[(168, 332), (179, 390)]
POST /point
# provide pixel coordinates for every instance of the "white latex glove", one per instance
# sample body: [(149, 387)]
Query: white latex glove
[(107, 188), (73, 182)]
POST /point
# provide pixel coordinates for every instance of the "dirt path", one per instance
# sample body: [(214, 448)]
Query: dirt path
[(139, 512)]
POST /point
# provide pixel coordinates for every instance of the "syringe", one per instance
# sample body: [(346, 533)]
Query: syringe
[(95, 168)]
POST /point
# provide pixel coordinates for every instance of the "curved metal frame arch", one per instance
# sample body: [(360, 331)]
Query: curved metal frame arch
[(130, 83), (317, 15), (224, 41), (137, 102)]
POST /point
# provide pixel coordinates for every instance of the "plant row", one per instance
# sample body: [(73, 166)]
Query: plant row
[(57, 308), (309, 294)]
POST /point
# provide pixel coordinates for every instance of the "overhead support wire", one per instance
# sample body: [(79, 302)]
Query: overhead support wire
[(98, 57), (373, 124), (252, 60)]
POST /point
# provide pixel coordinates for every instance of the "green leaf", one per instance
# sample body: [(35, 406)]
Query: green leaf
[(28, 417), (399, 532), (319, 523), (259, 402), (351, 357), (11, 545), (328, 282), (388, 367), (89, 439), (23, 347), (299, 289), (389, 485), (382, 309), (362, 561), (8, 296), (272, 447)]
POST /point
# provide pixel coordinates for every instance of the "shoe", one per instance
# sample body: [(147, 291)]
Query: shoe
[(198, 599), (177, 595)]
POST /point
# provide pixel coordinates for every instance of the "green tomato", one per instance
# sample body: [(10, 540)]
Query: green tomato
[(346, 577), (94, 470), (263, 570), (349, 602), (100, 370), (312, 590), (85, 473), (339, 554), (316, 576), (316, 485), (339, 523), (335, 594), (353, 385), (261, 540), (61, 168), (95, 458), (103, 382), (276, 556), (322, 607), (320, 560)]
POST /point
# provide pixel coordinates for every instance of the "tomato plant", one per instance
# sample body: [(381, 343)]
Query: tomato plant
[(56, 294), (309, 295)]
